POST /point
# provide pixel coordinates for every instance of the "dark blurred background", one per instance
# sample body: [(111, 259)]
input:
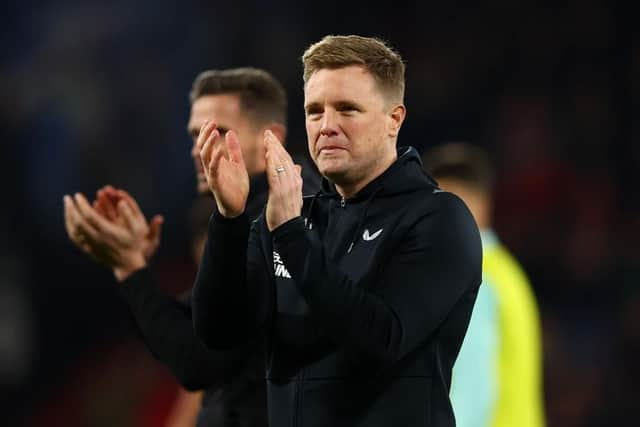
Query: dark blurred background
[(95, 92)]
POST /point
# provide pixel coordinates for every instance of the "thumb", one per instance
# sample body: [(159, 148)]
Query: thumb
[(152, 238), (298, 169), (155, 227)]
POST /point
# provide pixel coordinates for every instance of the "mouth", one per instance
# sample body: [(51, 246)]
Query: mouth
[(331, 149)]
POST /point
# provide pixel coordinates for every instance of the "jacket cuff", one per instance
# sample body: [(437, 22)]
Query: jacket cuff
[(136, 286), (291, 241), (228, 227), (289, 232)]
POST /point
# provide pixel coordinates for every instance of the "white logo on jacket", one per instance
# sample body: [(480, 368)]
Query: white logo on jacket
[(366, 236), (278, 266)]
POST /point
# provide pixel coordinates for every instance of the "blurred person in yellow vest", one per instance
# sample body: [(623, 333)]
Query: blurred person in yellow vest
[(497, 378)]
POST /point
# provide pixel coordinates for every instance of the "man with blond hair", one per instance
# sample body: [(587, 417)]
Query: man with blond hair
[(362, 292)]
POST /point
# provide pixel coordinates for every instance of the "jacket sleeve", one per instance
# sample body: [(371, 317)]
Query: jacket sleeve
[(167, 330), (438, 261), (230, 296)]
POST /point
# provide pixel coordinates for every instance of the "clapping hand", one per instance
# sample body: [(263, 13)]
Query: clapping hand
[(113, 231), (224, 168), (285, 183)]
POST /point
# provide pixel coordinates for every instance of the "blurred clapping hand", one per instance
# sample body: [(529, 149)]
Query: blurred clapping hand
[(112, 230)]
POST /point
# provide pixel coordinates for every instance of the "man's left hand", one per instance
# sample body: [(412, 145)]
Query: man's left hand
[(285, 183)]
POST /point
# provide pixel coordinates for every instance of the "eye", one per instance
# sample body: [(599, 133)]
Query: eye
[(314, 113), (347, 108)]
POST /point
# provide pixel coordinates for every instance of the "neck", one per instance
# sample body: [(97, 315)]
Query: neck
[(349, 190)]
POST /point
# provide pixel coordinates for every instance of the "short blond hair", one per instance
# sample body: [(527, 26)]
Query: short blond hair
[(376, 56)]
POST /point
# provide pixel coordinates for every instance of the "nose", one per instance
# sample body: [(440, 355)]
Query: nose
[(329, 123)]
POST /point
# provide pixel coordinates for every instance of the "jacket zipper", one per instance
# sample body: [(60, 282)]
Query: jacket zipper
[(342, 203)]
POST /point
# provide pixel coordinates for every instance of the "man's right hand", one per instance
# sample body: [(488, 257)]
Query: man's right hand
[(106, 204), (122, 245), (225, 169)]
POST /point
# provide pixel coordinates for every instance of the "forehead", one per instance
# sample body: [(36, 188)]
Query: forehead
[(353, 82), (223, 109)]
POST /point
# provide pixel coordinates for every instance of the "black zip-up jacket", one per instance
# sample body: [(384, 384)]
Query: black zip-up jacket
[(363, 303)]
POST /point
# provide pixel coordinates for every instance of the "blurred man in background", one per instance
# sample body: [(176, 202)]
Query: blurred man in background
[(113, 228), (497, 379)]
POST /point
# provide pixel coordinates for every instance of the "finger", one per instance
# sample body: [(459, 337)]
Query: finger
[(205, 130), (204, 140), (155, 229), (282, 153), (287, 172), (91, 217), (104, 204), (111, 200), (69, 225), (98, 205), (208, 148), (275, 179), (272, 166), (84, 236), (271, 156), (133, 204), (133, 222), (298, 170), (219, 153), (233, 147), (108, 200), (78, 229), (109, 191)]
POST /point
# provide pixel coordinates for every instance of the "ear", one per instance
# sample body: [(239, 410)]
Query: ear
[(278, 129), (396, 118)]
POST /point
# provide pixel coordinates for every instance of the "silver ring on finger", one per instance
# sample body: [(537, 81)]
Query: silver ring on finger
[(280, 169)]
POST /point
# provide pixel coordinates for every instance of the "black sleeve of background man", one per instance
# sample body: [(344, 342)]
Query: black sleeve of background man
[(167, 329), (230, 295)]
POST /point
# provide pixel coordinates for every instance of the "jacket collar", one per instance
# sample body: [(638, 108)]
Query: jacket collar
[(404, 175)]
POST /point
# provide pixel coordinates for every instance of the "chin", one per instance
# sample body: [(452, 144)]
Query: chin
[(334, 174), (331, 167)]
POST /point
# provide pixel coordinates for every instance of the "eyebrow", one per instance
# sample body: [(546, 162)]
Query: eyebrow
[(194, 132), (312, 105), (338, 104), (345, 103)]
